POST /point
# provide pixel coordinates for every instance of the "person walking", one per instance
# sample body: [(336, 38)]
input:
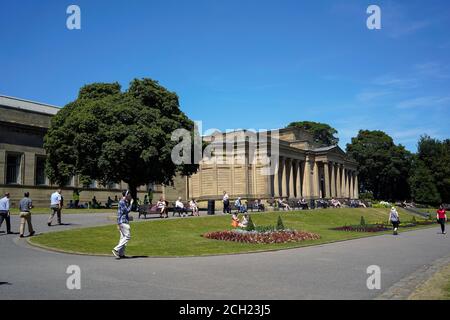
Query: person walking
[(56, 203), (25, 206), (226, 203), (394, 218), (4, 212), (442, 218), (123, 224)]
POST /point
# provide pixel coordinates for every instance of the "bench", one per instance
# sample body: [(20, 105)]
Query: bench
[(148, 209), (252, 205), (186, 209)]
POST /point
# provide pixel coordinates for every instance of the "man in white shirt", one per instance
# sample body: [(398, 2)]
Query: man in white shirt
[(179, 206), (4, 212), (55, 206), (226, 203)]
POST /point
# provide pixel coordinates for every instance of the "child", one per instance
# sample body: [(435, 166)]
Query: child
[(245, 220), (234, 220)]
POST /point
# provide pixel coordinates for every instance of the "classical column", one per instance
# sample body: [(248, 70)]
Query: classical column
[(291, 193), (326, 177), (346, 183), (276, 179), (306, 179), (298, 184), (333, 181), (338, 181), (356, 186), (283, 192), (316, 181), (351, 185), (342, 182)]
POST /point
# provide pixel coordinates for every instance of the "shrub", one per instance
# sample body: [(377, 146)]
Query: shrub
[(366, 196), (262, 229), (251, 225), (280, 225), (362, 222)]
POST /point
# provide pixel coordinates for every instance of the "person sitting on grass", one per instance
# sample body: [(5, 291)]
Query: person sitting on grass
[(235, 220), (244, 223), (161, 205), (194, 207)]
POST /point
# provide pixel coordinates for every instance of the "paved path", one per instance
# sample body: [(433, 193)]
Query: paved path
[(332, 271)]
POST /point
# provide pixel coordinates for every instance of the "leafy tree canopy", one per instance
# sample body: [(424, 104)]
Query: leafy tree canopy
[(434, 155), (423, 185), (112, 136), (383, 166), (323, 133)]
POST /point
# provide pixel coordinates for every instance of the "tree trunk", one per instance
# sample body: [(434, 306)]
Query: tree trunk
[(133, 192)]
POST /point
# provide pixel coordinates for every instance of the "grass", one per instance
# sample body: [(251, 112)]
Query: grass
[(65, 211), (435, 288), (182, 237)]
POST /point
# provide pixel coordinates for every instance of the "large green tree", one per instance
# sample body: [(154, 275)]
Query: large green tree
[(423, 185), (433, 156), (383, 167), (112, 136), (323, 133)]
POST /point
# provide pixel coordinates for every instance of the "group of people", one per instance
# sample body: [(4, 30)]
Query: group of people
[(163, 207), (394, 219), (239, 205), (25, 206), (237, 223), (183, 210)]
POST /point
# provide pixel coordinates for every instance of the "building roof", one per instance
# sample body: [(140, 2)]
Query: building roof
[(16, 103), (327, 148)]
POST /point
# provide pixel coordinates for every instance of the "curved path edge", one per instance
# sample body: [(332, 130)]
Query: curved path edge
[(406, 286)]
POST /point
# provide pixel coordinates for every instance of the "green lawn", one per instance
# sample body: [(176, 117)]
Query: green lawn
[(182, 237), (65, 211)]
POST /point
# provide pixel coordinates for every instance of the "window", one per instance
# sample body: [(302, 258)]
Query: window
[(93, 184), (111, 185), (13, 164), (71, 182), (41, 179)]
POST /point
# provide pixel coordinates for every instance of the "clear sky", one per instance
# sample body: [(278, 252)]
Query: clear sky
[(245, 63)]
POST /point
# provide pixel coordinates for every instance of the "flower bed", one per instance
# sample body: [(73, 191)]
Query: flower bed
[(280, 236)]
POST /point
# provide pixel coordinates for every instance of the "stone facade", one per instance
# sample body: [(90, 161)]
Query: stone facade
[(23, 125), (304, 170)]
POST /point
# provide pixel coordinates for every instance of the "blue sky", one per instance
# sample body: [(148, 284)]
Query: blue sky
[(245, 64)]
